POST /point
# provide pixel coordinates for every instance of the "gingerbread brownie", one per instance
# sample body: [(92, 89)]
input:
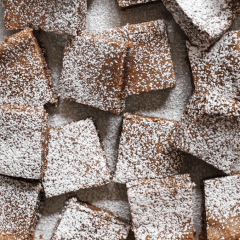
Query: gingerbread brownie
[(210, 130), (25, 78), (82, 221), (93, 72), (145, 150), (18, 209), (217, 69), (60, 16), (127, 3), (203, 21), (75, 159), (23, 141), (149, 64), (222, 203), (161, 208)]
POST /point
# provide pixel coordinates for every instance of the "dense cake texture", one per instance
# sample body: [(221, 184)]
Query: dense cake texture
[(18, 209), (149, 63), (145, 151), (127, 3), (82, 221), (24, 76), (210, 131), (93, 72), (219, 68), (75, 159), (23, 141), (222, 204), (161, 208), (59, 16), (203, 21)]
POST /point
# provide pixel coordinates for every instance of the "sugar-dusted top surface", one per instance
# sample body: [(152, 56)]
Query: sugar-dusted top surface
[(60, 16), (210, 130), (127, 3), (22, 141), (81, 221), (145, 151), (18, 206), (92, 72), (222, 203), (219, 68), (161, 208), (149, 64), (25, 78), (75, 159)]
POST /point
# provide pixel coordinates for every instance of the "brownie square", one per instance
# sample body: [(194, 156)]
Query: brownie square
[(222, 203), (24, 76), (82, 221), (93, 72), (145, 151), (75, 159), (59, 16), (210, 130), (149, 64), (217, 69), (127, 3), (203, 21), (161, 208), (18, 209), (23, 141)]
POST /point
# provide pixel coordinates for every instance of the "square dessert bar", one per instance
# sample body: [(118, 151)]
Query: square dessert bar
[(222, 204), (203, 21), (59, 16), (127, 3), (93, 72), (210, 130), (24, 76), (18, 209), (161, 208), (145, 150), (75, 159), (82, 221), (219, 68), (23, 141), (149, 64)]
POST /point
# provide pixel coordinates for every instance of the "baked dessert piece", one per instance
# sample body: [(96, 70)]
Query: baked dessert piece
[(222, 203), (93, 72), (145, 151), (23, 141), (127, 3), (219, 68), (203, 21), (75, 159), (210, 130), (59, 16), (18, 209), (82, 221), (25, 78), (161, 208), (149, 63)]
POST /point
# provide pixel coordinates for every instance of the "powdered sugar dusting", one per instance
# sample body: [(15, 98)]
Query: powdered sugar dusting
[(127, 3)]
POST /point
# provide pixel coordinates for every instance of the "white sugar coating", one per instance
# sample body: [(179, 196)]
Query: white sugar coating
[(82, 221), (149, 64), (222, 204), (75, 159), (25, 78), (144, 149), (219, 68), (92, 72), (161, 208), (210, 130), (127, 3), (203, 21), (60, 16), (23, 141), (18, 208)]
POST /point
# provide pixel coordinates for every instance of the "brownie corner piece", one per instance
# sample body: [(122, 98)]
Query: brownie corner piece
[(75, 159)]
